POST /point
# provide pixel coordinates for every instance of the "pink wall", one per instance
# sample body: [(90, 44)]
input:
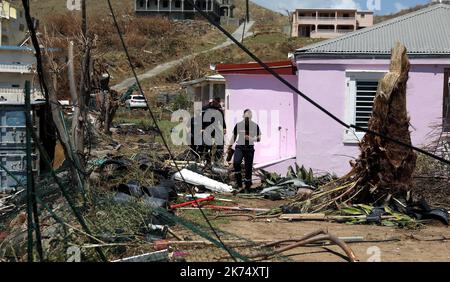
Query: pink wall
[(274, 109), (320, 139)]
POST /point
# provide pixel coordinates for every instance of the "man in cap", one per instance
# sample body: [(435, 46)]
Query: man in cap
[(214, 129)]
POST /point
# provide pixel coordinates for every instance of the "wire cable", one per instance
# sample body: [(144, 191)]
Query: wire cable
[(40, 71), (43, 152), (307, 98), (155, 121)]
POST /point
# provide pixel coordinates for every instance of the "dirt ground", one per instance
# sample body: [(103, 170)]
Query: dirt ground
[(424, 244)]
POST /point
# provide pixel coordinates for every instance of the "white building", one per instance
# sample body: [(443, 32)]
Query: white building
[(202, 90), (329, 23), (17, 65), (74, 5), (13, 25)]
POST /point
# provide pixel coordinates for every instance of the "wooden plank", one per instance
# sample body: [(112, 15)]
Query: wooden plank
[(313, 216)]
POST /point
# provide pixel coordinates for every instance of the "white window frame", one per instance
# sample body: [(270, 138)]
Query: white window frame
[(351, 77)]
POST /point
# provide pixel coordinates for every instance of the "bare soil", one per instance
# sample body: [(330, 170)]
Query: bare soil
[(424, 244)]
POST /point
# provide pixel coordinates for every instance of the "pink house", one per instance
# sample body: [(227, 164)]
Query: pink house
[(249, 86), (342, 74)]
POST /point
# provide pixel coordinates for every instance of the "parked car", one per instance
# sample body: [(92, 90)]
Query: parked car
[(136, 101)]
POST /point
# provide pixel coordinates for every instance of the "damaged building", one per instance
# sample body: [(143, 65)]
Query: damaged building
[(220, 10), (342, 74)]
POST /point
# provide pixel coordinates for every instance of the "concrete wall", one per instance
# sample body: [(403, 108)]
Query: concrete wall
[(11, 56), (364, 19), (320, 139), (274, 109), (14, 71)]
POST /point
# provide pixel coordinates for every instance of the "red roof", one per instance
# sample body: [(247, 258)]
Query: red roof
[(282, 68)]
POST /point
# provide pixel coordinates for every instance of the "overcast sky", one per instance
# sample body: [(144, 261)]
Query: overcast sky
[(380, 7)]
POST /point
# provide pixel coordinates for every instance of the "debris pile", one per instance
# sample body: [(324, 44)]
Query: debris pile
[(132, 128), (299, 183), (6, 204), (144, 205), (379, 188), (384, 169)]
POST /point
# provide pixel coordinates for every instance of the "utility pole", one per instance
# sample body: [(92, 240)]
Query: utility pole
[(86, 46), (248, 11), (33, 225), (79, 122), (247, 19), (84, 18)]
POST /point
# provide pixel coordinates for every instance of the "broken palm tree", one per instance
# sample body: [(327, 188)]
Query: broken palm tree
[(384, 169)]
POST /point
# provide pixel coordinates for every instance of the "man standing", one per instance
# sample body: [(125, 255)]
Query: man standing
[(213, 128), (245, 134)]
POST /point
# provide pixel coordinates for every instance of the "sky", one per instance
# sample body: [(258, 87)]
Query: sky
[(380, 7)]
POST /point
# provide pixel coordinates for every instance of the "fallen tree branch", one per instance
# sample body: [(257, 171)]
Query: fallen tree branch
[(313, 237), (384, 168)]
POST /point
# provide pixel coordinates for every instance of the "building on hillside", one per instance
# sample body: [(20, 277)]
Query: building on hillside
[(342, 75), (181, 9), (13, 25), (227, 8), (17, 65), (227, 13), (13, 143), (202, 90), (74, 5), (329, 23)]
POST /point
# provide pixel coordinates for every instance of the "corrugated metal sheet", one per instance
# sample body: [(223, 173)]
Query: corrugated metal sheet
[(424, 32)]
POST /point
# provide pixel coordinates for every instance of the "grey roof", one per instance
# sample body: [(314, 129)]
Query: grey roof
[(424, 33)]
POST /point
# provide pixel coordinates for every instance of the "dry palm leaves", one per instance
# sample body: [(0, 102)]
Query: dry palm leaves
[(384, 169)]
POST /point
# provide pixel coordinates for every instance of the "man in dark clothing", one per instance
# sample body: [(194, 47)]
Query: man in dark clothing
[(245, 134), (214, 129)]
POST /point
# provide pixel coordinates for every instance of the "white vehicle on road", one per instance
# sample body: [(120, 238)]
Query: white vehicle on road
[(136, 101)]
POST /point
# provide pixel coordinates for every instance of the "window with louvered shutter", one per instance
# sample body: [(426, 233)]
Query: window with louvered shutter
[(361, 89), (365, 94)]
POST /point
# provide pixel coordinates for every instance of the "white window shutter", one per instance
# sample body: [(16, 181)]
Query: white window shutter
[(361, 87), (350, 110)]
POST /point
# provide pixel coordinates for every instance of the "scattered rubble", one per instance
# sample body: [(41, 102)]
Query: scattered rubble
[(133, 129)]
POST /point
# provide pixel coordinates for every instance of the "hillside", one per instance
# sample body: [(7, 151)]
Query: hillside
[(383, 18), (262, 16), (156, 40), (40, 9), (151, 40), (99, 7)]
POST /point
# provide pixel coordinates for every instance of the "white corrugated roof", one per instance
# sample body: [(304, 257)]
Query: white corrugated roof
[(215, 77)]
